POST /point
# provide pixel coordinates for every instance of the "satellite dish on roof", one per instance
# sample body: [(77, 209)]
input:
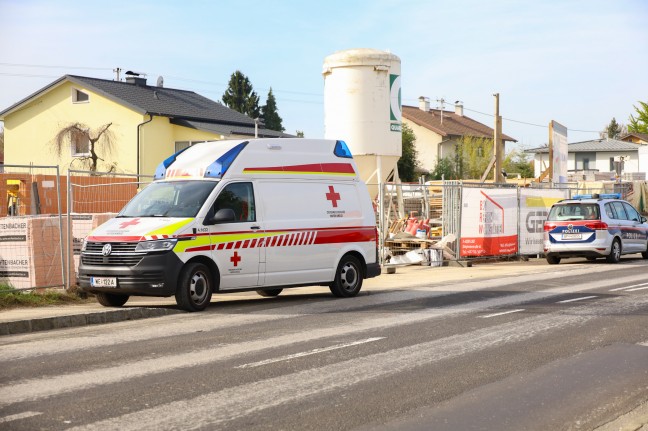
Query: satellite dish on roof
[(160, 81)]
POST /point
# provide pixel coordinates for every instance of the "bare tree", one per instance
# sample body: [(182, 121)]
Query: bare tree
[(80, 136)]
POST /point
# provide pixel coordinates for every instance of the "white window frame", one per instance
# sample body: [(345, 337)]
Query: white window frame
[(75, 96), (75, 144)]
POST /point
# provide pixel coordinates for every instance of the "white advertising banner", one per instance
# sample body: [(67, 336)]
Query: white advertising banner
[(534, 208), (558, 137), (488, 222)]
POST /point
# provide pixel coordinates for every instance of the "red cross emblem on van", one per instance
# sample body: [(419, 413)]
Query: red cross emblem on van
[(333, 196), (125, 224)]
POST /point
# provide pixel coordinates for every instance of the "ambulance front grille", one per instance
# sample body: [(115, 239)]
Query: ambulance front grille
[(122, 254)]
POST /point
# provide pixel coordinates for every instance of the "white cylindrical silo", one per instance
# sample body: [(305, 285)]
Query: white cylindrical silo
[(362, 106)]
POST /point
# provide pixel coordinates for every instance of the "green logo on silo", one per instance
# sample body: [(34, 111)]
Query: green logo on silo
[(395, 109)]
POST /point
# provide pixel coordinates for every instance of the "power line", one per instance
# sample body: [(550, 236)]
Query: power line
[(54, 67), (300, 93)]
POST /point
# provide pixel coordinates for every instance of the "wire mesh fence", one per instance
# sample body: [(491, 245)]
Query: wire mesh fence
[(31, 228)]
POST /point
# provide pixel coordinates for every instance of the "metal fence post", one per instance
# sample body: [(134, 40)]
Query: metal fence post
[(69, 231)]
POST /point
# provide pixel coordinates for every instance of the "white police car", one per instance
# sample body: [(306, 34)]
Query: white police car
[(593, 226)]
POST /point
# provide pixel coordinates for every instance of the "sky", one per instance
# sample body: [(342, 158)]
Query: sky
[(580, 63)]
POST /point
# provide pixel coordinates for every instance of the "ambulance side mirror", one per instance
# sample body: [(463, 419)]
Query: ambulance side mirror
[(224, 215)]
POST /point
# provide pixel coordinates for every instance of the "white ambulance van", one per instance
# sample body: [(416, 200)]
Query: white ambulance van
[(227, 216)]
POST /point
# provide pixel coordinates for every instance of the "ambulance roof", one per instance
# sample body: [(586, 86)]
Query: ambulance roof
[(288, 157)]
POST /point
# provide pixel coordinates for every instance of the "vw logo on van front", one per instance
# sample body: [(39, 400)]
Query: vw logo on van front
[(106, 250)]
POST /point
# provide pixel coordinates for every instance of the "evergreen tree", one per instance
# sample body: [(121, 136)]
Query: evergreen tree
[(613, 130), (639, 124), (269, 114), (240, 95), (408, 163)]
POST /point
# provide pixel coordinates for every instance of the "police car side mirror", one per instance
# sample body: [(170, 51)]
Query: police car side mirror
[(643, 219), (224, 215)]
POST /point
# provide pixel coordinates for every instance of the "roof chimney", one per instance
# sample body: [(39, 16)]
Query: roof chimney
[(459, 108), (135, 78), (424, 103)]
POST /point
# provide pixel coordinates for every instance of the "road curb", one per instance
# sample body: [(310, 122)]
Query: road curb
[(75, 320)]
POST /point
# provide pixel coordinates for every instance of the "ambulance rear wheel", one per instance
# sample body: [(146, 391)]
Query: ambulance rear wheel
[(615, 252), (269, 292), (348, 278), (553, 260), (111, 299), (194, 290)]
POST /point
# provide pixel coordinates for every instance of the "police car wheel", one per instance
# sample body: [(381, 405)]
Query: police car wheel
[(348, 278), (644, 254), (615, 252), (553, 260), (194, 289), (111, 299), (269, 292)]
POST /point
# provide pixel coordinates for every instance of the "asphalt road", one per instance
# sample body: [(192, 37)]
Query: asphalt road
[(556, 347)]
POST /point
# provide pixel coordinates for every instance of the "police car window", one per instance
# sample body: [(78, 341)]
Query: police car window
[(240, 198), (609, 210), (576, 211), (620, 211), (631, 212)]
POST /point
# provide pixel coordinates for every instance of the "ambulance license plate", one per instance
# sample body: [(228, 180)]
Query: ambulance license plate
[(103, 281), (572, 236)]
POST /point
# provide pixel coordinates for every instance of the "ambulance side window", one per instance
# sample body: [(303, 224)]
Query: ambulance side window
[(240, 198)]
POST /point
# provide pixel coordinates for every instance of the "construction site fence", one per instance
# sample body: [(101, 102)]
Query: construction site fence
[(471, 220), (46, 217)]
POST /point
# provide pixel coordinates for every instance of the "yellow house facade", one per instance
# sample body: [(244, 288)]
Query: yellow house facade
[(147, 123)]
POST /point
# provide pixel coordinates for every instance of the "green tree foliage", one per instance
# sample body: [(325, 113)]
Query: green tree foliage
[(614, 130), (474, 155), (444, 170), (639, 124), (299, 133), (408, 163), (269, 114), (240, 95), (517, 162)]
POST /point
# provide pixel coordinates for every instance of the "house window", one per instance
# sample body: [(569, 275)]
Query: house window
[(80, 144), (181, 145), (612, 169), (79, 96), (585, 164)]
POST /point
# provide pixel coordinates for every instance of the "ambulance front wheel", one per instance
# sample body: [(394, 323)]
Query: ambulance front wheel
[(194, 290), (348, 278), (553, 260)]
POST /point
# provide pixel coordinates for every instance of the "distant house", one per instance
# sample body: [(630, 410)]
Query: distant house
[(438, 131), (149, 122), (599, 159), (637, 138)]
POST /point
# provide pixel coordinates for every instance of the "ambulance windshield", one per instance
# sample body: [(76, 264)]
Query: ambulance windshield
[(169, 199)]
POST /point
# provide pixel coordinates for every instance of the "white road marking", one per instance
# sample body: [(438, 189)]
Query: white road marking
[(209, 410), (308, 353), (502, 313), (576, 299), (637, 288), (15, 347), (47, 386), (645, 343), (19, 416), (628, 287)]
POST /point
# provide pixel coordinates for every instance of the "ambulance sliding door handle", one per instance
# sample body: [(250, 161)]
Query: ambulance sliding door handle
[(255, 227)]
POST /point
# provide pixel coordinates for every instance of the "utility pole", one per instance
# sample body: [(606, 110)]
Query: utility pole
[(498, 148)]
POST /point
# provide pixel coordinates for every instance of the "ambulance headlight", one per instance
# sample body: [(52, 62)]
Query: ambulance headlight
[(85, 244), (157, 245)]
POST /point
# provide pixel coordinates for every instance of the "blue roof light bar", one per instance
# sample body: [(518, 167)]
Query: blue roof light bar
[(218, 168), (160, 171), (342, 150)]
